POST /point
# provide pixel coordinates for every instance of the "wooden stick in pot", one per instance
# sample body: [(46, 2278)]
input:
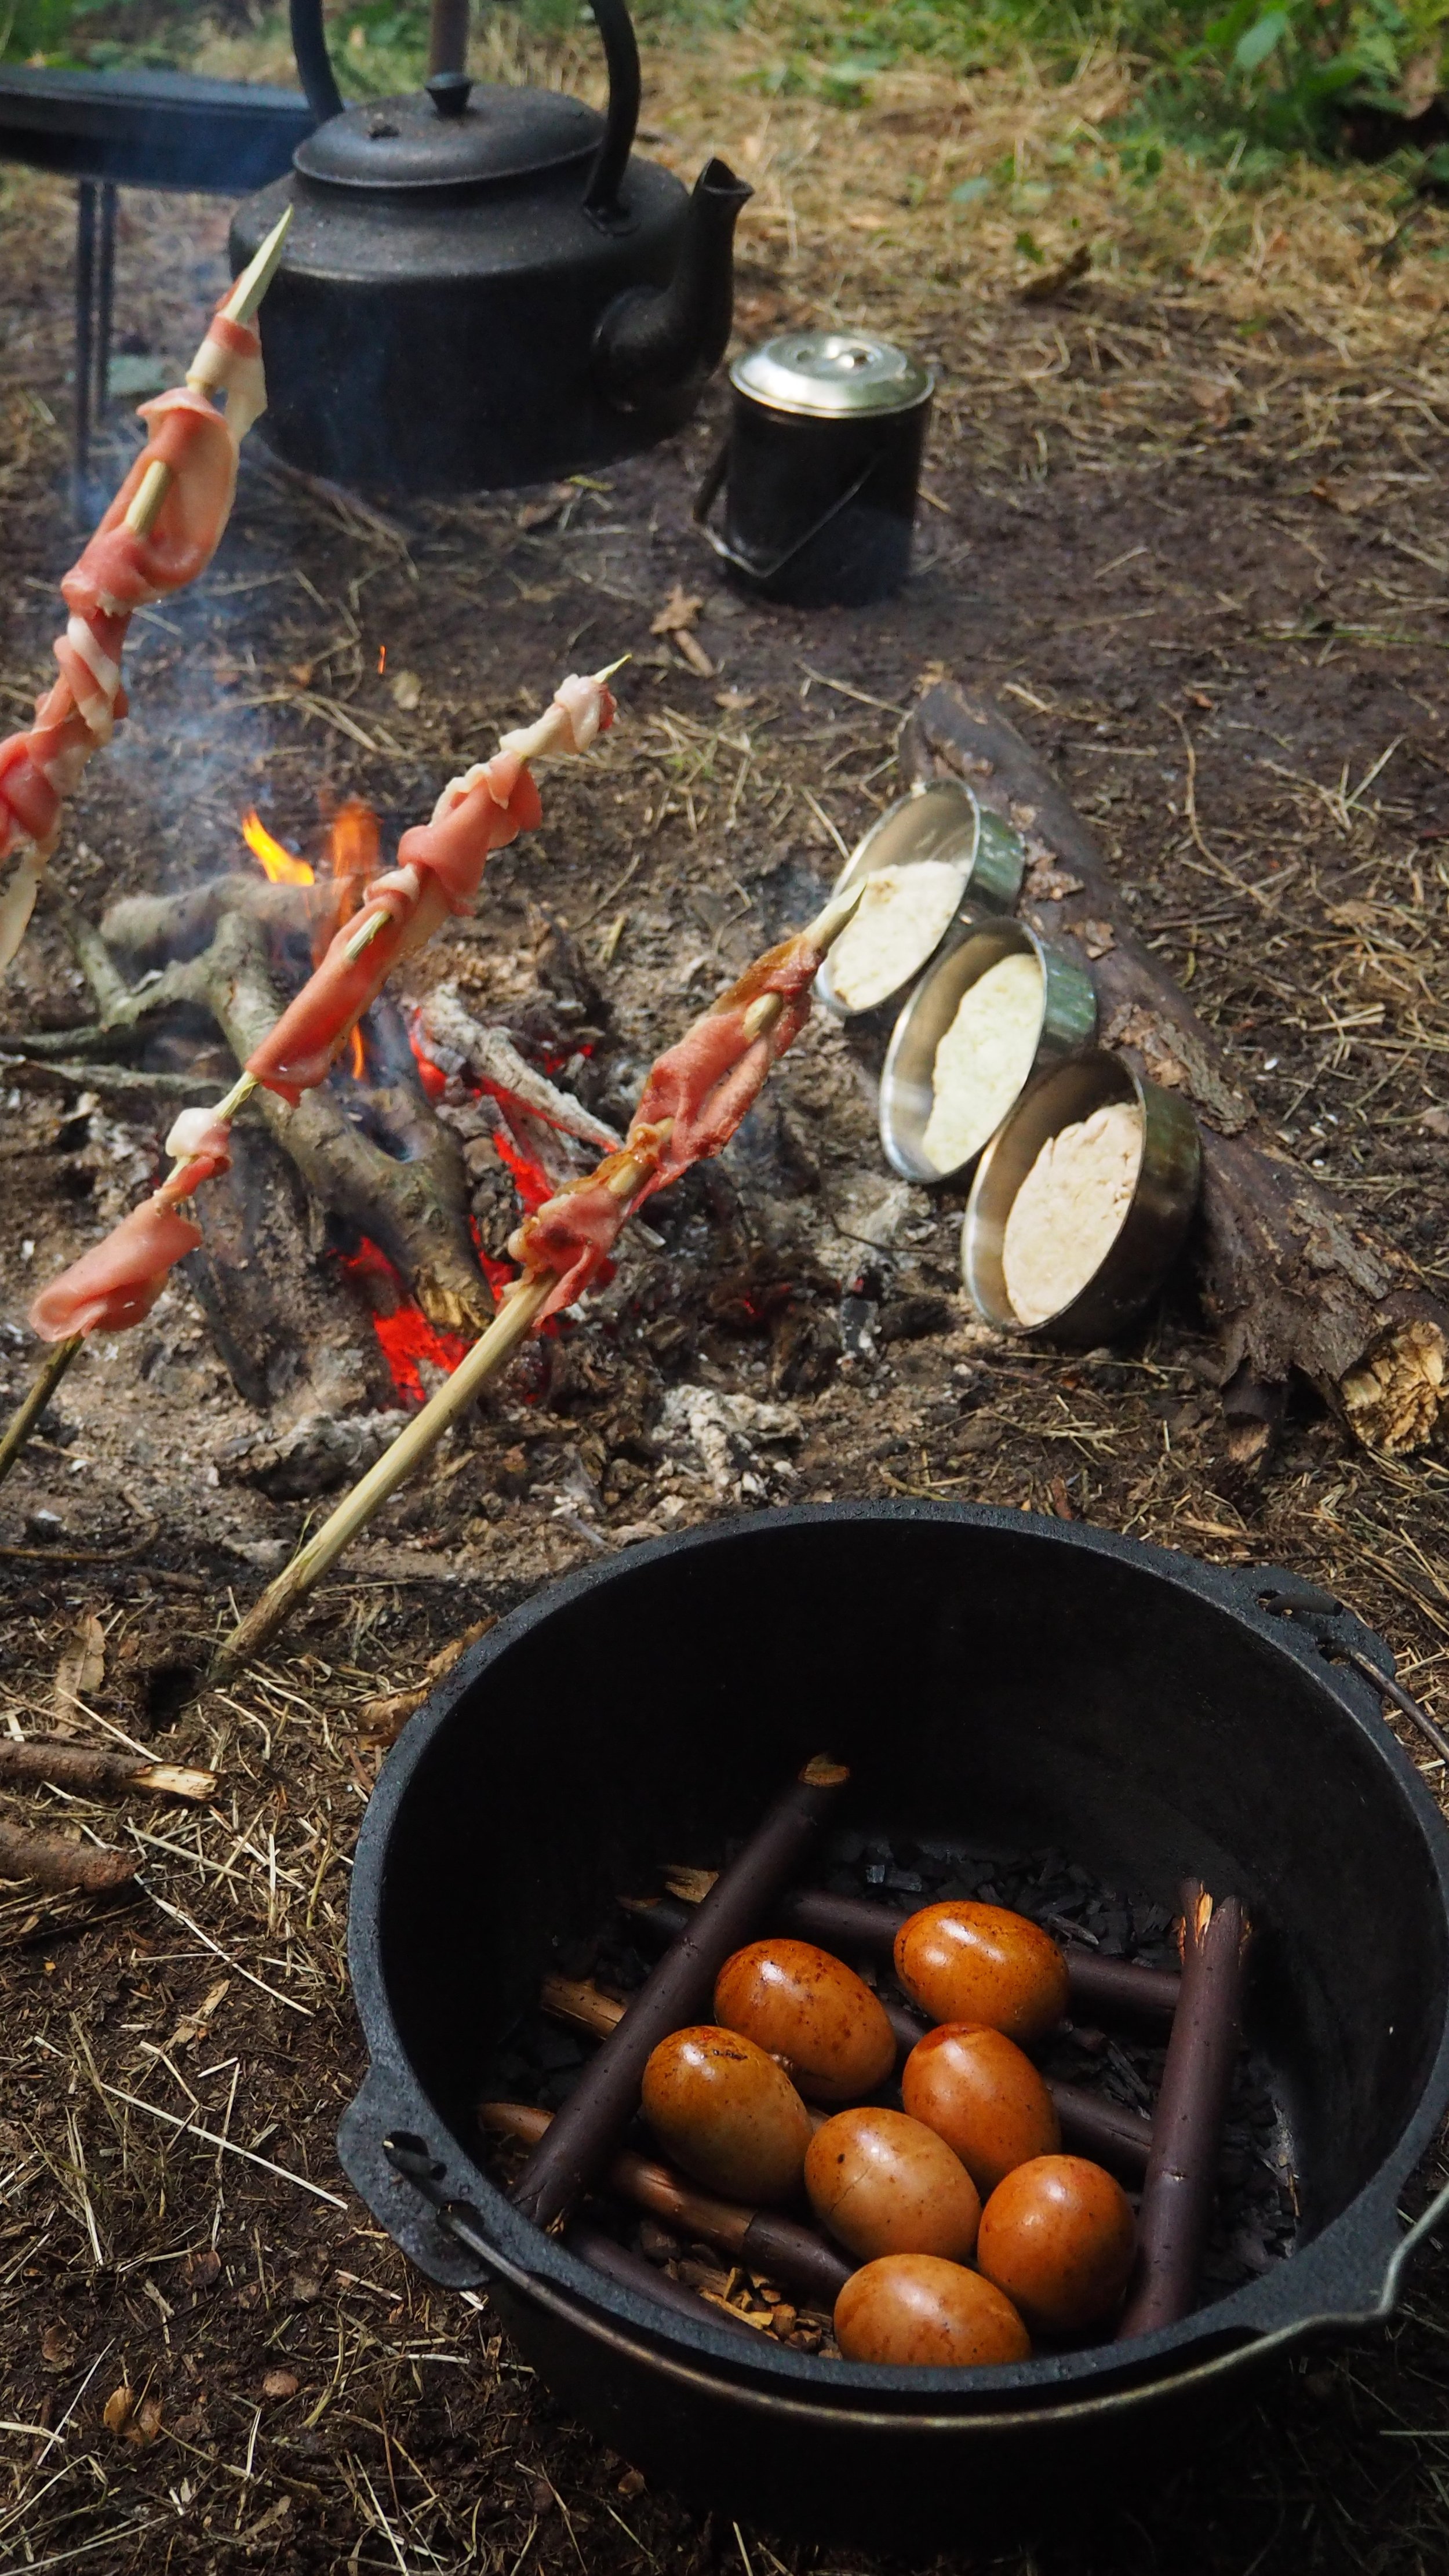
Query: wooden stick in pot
[(759, 2238), (585, 2133), (1177, 2197)]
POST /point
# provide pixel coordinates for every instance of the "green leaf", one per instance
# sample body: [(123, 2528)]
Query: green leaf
[(971, 192), (1255, 47)]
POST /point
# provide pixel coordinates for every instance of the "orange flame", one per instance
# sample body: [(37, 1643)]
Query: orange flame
[(359, 1057), (278, 864)]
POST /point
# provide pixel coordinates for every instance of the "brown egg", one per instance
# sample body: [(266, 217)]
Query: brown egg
[(884, 2184), (810, 2009), (963, 1962), (916, 2308), (725, 2111), (1058, 2236), (978, 2091)]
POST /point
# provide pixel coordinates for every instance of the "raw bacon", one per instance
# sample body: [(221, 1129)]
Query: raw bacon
[(122, 569), (440, 867), (707, 1083), (117, 1282), (574, 1233)]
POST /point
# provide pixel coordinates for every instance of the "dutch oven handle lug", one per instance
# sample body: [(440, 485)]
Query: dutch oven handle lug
[(1288, 1596), (602, 197), (401, 2173)]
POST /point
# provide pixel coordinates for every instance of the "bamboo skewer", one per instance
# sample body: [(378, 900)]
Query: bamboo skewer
[(33, 1403), (489, 1355)]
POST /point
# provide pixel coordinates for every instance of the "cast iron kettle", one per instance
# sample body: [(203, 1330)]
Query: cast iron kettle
[(481, 285)]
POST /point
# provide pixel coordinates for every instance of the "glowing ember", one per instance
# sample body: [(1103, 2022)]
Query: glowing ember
[(277, 863), (401, 1327), (532, 1185), (381, 660), (359, 1058)]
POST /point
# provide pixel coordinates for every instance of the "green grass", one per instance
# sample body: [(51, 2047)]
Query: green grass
[(1246, 82)]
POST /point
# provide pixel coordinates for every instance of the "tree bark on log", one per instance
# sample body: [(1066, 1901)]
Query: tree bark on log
[(403, 1183), (1292, 1279)]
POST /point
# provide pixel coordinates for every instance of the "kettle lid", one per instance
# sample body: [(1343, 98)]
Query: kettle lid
[(455, 135), (825, 374)]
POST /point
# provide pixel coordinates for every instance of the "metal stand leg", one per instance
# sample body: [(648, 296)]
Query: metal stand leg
[(105, 302), (85, 278)]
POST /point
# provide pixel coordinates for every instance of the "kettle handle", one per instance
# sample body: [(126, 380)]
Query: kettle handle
[(314, 63), (621, 53)]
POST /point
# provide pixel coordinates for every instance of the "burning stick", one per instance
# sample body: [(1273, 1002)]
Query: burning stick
[(694, 1099), (100, 1769), (159, 533), (583, 2136), (1177, 2198), (758, 2238), (52, 1862)]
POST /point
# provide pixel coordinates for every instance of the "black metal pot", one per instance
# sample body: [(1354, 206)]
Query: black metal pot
[(485, 285), (820, 468), (991, 1676)]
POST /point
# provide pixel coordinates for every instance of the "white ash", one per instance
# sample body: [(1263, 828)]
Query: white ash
[(1070, 1209), (320, 1450), (983, 1060), (724, 1432), (902, 916)]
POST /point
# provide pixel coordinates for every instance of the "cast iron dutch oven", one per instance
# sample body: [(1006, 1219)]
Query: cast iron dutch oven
[(988, 1676)]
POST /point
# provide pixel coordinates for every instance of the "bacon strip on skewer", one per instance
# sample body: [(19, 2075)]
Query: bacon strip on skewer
[(695, 1097), (159, 533), (439, 870)]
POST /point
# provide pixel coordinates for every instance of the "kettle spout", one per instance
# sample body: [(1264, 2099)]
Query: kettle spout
[(667, 339)]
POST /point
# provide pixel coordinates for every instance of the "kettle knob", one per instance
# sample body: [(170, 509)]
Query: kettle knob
[(449, 92)]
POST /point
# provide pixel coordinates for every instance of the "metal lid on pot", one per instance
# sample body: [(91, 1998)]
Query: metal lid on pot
[(456, 135), (828, 374)]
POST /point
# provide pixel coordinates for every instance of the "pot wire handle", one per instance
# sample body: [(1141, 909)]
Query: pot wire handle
[(1293, 1596), (410, 2156)]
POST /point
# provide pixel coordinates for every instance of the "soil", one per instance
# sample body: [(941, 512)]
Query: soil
[(1148, 526)]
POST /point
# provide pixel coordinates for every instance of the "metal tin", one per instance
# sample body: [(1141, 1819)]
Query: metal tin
[(1151, 1233), (942, 821), (820, 468), (907, 1088)]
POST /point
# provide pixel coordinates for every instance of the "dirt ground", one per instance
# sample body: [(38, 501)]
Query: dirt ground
[(1187, 518)]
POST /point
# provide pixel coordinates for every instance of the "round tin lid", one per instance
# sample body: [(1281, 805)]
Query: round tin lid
[(829, 373), (467, 134)]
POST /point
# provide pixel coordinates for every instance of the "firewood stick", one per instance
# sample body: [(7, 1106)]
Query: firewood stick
[(101, 1770), (57, 1864), (759, 2238), (1107, 1986), (633, 2272), (1091, 2122), (1177, 2197), (585, 2134)]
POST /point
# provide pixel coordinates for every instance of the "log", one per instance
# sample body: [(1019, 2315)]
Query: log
[(760, 2239), (54, 1863), (403, 1185), (1293, 1279), (98, 1770), (586, 2132), (1187, 2131)]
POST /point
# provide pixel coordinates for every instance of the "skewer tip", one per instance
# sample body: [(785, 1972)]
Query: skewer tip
[(257, 276), (607, 673)]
